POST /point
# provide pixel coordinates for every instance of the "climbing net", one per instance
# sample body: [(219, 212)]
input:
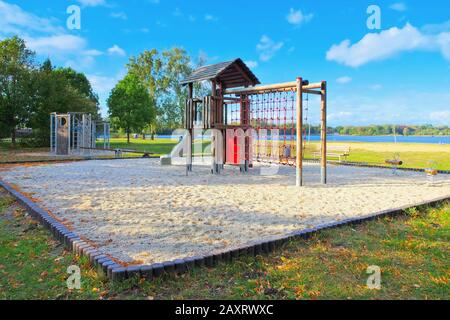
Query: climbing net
[(272, 115)]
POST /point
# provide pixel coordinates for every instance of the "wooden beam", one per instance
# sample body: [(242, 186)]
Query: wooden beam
[(323, 136), (262, 88), (189, 155), (311, 91), (190, 90), (299, 145), (235, 99), (317, 85), (273, 87), (243, 73)]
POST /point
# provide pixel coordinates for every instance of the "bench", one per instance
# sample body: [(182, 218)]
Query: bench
[(337, 152), (119, 153)]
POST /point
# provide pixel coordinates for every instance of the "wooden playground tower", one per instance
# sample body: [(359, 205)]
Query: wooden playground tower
[(238, 108)]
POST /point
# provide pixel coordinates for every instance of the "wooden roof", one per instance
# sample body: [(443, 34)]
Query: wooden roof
[(232, 74)]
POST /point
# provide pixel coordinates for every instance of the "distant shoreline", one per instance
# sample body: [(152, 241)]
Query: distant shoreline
[(386, 135)]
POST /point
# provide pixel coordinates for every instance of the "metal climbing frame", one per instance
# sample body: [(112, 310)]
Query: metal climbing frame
[(81, 135)]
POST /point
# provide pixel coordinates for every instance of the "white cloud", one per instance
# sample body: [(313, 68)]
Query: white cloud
[(267, 48), (93, 53), (203, 58), (436, 28), (251, 63), (210, 17), (398, 6), (441, 117), (116, 50), (387, 43), (56, 44), (46, 37), (92, 3), (376, 108), (103, 85), (297, 17), (443, 41), (81, 62), (339, 116), (15, 20), (343, 80), (119, 15)]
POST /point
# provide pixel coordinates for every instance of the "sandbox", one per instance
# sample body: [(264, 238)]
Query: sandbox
[(142, 213)]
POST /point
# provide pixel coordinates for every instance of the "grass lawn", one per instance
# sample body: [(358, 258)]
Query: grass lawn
[(411, 250), (158, 146), (413, 155)]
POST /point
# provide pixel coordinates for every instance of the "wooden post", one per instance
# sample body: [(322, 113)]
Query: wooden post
[(189, 155), (323, 136), (299, 146)]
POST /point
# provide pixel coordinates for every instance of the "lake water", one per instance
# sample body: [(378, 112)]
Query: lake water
[(400, 139)]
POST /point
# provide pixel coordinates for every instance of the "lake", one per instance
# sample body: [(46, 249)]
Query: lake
[(391, 139)]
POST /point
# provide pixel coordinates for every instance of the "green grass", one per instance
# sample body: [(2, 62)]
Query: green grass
[(413, 155), (412, 251), (158, 147)]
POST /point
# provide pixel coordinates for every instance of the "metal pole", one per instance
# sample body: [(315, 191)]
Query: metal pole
[(299, 145), (51, 133), (69, 125), (56, 133)]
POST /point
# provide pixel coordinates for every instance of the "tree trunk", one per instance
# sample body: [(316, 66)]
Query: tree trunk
[(13, 137), (128, 136), (143, 136)]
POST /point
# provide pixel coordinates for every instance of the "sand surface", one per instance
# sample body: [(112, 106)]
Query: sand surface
[(138, 211)]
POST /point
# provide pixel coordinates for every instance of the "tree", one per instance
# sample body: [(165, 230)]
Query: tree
[(61, 91), (130, 105), (16, 65), (161, 73), (80, 82)]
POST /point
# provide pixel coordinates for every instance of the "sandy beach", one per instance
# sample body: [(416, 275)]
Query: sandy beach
[(140, 212)]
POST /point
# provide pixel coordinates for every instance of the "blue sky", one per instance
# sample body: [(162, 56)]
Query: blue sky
[(398, 74)]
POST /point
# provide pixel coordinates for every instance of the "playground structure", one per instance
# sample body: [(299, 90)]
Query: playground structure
[(76, 133), (252, 123)]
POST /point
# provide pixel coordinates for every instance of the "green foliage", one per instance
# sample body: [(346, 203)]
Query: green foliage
[(58, 90), (161, 73), (130, 105), (411, 250), (80, 82), (16, 63), (29, 93), (376, 130)]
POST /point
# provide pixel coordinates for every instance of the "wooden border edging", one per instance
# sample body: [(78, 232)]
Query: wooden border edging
[(117, 272), (52, 161)]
